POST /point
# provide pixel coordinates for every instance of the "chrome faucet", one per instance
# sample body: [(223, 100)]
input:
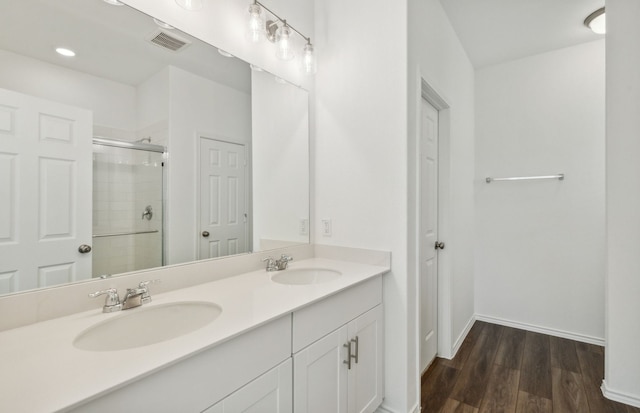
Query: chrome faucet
[(134, 297), (283, 262), (279, 264)]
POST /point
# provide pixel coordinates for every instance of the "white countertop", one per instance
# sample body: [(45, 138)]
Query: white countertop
[(41, 370)]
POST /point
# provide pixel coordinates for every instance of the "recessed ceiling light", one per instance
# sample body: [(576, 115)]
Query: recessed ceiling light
[(163, 24), (65, 52), (256, 68), (224, 53), (114, 2), (190, 4), (597, 22)]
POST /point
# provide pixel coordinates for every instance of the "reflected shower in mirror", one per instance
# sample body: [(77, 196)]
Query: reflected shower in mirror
[(148, 147)]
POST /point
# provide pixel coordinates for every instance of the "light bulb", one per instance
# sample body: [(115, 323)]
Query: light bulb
[(255, 28), (283, 42), (190, 5), (308, 60)]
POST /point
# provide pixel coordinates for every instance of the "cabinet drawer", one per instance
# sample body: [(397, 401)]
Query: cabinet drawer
[(198, 382), (319, 319)]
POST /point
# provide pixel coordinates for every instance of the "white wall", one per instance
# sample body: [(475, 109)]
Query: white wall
[(361, 156), (437, 57), (622, 359), (112, 103), (540, 244), (279, 161), (198, 107)]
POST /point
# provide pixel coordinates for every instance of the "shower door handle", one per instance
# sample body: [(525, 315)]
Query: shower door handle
[(84, 248), (205, 234)]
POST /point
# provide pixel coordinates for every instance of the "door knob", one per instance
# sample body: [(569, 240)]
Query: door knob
[(205, 234), (84, 248), (439, 245)]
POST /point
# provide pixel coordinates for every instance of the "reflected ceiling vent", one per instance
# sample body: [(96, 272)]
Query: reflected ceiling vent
[(169, 41)]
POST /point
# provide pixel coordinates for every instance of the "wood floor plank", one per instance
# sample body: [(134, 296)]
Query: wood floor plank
[(535, 373), (563, 354), (454, 406), (632, 409), (511, 348), (530, 403), (501, 394), (472, 381), (437, 387), (592, 366), (568, 392), (580, 346)]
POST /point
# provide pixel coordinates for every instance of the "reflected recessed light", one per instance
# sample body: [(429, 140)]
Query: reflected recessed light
[(597, 22), (256, 68), (224, 53), (114, 2), (280, 80), (163, 24), (65, 52), (190, 4)]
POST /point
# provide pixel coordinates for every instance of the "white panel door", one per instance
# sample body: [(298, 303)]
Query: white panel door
[(269, 393), (365, 377), (428, 227), (223, 206), (45, 192), (320, 376)]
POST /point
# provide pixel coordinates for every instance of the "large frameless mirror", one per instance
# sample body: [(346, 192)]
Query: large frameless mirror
[(136, 145)]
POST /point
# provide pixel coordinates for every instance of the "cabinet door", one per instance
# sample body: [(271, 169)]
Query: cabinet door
[(269, 393), (320, 376), (365, 377)]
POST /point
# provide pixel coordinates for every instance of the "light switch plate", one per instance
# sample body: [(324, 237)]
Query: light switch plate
[(326, 227)]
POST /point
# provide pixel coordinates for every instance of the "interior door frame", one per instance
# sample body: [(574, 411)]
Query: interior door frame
[(248, 186), (427, 92)]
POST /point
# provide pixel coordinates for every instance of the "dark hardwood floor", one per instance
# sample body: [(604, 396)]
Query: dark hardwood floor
[(505, 370)]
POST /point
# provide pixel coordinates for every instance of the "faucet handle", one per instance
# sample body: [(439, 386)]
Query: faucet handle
[(111, 302), (271, 263), (144, 287), (286, 258)]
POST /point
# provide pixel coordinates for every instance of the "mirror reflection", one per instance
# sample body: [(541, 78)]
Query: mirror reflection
[(137, 146)]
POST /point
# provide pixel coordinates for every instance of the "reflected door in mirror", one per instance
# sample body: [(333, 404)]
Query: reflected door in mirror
[(44, 145), (223, 200)]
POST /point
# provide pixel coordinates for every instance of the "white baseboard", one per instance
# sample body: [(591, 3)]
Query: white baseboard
[(619, 396), (462, 336), (544, 330), (381, 409)]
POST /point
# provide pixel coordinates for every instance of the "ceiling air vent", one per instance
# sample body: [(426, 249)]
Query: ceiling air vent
[(168, 41)]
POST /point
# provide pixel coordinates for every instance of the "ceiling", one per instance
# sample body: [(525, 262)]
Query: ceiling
[(496, 31), (110, 42)]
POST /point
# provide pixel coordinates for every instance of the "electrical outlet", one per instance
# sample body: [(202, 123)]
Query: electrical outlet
[(304, 226), (326, 227)]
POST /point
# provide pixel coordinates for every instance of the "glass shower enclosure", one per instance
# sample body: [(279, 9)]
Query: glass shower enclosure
[(128, 205)]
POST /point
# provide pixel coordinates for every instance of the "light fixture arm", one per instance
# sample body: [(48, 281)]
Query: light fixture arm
[(281, 20)]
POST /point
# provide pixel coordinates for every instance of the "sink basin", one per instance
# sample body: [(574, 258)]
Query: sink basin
[(143, 326), (305, 276)]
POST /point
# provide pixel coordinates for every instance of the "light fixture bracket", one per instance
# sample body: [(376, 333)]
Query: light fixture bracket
[(270, 28)]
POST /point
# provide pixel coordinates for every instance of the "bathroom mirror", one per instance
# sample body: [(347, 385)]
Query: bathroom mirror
[(147, 148)]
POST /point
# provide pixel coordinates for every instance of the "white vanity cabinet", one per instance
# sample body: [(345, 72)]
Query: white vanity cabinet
[(269, 393), (340, 371)]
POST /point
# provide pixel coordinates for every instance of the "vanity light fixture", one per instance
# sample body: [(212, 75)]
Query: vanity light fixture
[(597, 22), (278, 31), (65, 52), (190, 5)]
